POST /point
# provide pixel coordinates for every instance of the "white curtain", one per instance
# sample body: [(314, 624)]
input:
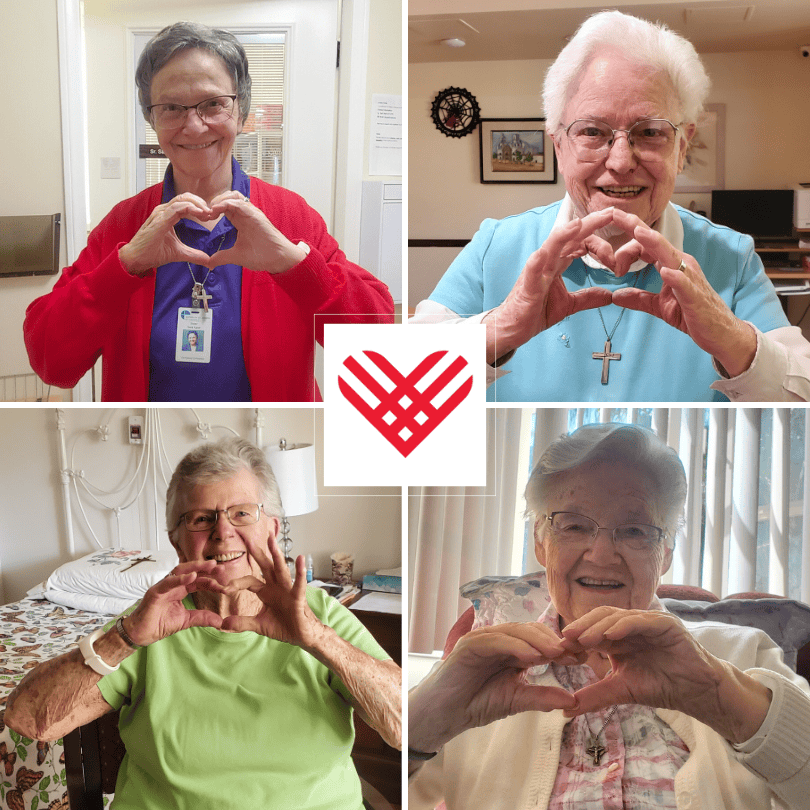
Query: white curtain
[(458, 534)]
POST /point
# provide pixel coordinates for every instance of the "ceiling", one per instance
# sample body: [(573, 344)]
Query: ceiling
[(538, 29)]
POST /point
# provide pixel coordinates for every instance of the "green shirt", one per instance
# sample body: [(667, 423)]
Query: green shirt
[(237, 720)]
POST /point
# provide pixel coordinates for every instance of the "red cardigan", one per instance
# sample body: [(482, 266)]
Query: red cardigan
[(97, 309)]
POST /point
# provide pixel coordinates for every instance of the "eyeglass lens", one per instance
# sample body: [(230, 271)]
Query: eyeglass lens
[(651, 139), (243, 514), (578, 528), (212, 111)]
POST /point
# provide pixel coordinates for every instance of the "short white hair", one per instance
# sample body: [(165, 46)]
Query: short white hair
[(640, 42), (612, 442)]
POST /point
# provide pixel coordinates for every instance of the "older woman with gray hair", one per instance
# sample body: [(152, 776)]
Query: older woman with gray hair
[(249, 265), (235, 684), (614, 293), (608, 700)]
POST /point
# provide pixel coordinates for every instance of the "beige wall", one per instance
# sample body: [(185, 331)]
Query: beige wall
[(31, 145), (384, 74), (33, 540), (767, 121)]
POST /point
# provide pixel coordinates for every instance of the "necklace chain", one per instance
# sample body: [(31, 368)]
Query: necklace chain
[(621, 314), (201, 285)]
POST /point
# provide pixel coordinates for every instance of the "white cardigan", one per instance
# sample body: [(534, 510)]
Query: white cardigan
[(512, 763)]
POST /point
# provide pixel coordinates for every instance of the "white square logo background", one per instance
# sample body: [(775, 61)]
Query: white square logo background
[(357, 454)]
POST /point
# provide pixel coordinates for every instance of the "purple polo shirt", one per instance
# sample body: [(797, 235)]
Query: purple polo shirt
[(225, 378)]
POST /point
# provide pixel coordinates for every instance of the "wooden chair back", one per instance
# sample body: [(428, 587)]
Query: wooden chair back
[(93, 755)]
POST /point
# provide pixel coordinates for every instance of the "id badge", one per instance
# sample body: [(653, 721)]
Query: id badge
[(194, 330)]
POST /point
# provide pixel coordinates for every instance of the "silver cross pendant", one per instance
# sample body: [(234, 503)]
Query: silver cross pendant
[(198, 294), (595, 750)]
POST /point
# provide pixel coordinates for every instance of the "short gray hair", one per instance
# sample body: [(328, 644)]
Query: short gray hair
[(640, 42), (180, 37), (616, 442), (214, 462)]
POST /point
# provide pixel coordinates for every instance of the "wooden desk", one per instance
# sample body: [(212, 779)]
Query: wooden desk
[(375, 760)]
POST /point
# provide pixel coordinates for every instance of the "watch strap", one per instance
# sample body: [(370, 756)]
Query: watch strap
[(119, 626), (91, 657)]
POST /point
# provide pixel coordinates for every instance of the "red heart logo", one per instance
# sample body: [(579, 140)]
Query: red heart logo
[(404, 412)]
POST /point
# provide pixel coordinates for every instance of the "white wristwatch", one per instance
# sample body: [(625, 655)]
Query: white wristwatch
[(91, 657)]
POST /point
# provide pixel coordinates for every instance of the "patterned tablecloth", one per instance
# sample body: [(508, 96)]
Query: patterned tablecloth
[(32, 630)]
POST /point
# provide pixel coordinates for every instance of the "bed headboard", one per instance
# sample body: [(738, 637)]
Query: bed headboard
[(113, 493)]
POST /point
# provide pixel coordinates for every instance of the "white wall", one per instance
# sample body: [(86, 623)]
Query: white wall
[(33, 538), (384, 74), (31, 145), (767, 121)]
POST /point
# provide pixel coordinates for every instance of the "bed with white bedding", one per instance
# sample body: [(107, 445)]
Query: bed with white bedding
[(76, 599)]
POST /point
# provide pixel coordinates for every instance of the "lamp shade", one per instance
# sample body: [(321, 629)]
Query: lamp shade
[(294, 468)]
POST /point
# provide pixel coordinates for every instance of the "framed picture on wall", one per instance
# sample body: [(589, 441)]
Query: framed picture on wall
[(516, 150), (705, 164)]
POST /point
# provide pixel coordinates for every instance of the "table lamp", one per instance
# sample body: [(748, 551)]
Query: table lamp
[(294, 468)]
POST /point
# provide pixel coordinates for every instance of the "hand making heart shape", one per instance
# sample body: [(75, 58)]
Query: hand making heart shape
[(687, 301), (259, 244), (655, 661)]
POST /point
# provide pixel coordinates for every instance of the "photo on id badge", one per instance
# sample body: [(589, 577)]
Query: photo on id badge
[(194, 328)]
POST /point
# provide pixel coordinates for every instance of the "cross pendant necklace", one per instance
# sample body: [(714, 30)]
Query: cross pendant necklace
[(198, 291), (595, 749), (606, 355)]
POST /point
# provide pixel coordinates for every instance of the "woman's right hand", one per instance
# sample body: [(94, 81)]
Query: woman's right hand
[(539, 298), (161, 612), (482, 680), (156, 243)]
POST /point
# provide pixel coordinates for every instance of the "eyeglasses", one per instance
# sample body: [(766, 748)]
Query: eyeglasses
[(212, 111), (573, 528), (652, 139), (202, 520)]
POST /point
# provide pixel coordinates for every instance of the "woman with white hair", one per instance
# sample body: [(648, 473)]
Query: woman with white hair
[(607, 700), (248, 265), (614, 293), (235, 684)]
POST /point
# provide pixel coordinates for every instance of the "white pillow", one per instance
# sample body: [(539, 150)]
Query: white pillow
[(85, 601), (110, 572)]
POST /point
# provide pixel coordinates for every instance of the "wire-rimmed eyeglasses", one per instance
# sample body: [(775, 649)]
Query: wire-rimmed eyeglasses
[(202, 520), (571, 527), (652, 139), (212, 111)]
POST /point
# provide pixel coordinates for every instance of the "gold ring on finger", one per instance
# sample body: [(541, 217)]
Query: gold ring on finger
[(682, 266)]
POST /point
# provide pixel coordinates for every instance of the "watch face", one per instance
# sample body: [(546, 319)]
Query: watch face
[(455, 112)]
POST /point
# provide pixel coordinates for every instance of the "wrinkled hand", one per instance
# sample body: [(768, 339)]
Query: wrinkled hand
[(286, 615), (161, 612), (156, 243), (539, 298), (482, 680), (259, 244), (686, 301), (657, 662)]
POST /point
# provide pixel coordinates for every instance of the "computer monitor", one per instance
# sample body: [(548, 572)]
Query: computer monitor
[(763, 213)]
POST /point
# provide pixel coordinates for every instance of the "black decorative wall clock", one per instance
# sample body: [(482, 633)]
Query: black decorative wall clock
[(455, 112)]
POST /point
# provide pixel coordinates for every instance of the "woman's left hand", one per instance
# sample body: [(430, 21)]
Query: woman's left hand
[(286, 615), (686, 301), (657, 662), (259, 244)]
